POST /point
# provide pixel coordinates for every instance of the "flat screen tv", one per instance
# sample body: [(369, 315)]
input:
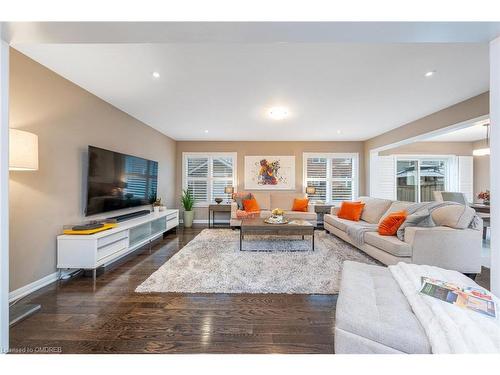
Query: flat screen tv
[(116, 181)]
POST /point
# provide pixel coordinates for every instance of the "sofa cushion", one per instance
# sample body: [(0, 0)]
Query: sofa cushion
[(455, 216), (390, 244), (337, 222), (372, 306), (374, 209), (396, 206), (239, 197), (284, 200), (264, 200), (351, 210)]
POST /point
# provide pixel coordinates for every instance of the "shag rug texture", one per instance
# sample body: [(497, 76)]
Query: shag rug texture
[(213, 263)]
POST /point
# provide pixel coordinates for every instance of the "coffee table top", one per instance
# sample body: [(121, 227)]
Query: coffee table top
[(259, 223)]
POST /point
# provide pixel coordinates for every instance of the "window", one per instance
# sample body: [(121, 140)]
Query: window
[(206, 175), (335, 176), (418, 178)]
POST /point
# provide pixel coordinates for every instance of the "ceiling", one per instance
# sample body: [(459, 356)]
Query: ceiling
[(473, 133), (333, 91)]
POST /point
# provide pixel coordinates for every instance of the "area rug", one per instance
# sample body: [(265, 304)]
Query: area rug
[(213, 263)]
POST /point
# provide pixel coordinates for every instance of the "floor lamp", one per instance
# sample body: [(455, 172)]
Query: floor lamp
[(23, 156)]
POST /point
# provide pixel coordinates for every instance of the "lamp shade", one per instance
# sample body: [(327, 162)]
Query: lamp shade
[(23, 151), (229, 190), (310, 190)]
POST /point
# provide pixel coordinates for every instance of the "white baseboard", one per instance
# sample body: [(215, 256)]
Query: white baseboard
[(32, 287)]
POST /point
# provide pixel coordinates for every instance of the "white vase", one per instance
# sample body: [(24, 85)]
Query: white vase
[(156, 209)]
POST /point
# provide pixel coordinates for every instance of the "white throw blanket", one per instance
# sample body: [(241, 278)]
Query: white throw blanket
[(450, 329)]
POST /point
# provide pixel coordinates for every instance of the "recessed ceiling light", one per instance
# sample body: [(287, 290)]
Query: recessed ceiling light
[(206, 131), (430, 73), (278, 113), (339, 131), (155, 75)]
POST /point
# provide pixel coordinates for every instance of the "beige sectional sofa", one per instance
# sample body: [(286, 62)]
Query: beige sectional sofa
[(451, 244), (271, 200)]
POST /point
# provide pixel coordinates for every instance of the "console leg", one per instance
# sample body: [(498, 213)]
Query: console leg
[(94, 277)]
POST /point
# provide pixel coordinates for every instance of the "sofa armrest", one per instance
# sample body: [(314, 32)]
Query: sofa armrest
[(454, 249), (334, 210), (234, 208)]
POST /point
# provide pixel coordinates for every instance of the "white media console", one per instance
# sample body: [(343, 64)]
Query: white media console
[(93, 251)]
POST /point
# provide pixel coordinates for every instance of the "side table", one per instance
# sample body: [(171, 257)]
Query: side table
[(321, 210), (213, 208)]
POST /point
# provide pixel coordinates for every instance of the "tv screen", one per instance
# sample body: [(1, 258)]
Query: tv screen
[(116, 181)]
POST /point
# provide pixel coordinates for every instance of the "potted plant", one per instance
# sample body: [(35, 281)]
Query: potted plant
[(157, 205), (187, 201)]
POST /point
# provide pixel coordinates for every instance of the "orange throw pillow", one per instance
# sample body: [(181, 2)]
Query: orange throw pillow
[(390, 225), (251, 205), (351, 210), (300, 204)]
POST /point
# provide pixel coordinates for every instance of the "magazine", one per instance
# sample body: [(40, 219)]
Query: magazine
[(471, 298)]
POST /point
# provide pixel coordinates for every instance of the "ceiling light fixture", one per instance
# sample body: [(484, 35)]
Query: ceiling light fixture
[(339, 131), (155, 75), (206, 131), (278, 113), (484, 151), (430, 73)]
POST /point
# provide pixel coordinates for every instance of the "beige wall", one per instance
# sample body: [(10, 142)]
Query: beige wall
[(432, 148), (266, 148), (466, 110), (481, 170), (66, 119)]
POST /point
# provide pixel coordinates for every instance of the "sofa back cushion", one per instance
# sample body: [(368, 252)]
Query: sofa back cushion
[(264, 200), (396, 206), (455, 216), (374, 209), (284, 200)]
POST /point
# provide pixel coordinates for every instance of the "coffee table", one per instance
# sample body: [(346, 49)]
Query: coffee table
[(257, 226)]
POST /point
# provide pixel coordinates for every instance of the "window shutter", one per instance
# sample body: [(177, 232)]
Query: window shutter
[(222, 167), (197, 167), (316, 176), (341, 170), (199, 190), (466, 176)]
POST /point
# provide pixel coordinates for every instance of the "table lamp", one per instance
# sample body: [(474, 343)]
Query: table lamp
[(229, 190)]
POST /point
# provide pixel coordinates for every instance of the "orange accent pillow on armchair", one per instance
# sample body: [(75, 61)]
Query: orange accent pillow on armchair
[(390, 225), (251, 205), (351, 210), (300, 204)]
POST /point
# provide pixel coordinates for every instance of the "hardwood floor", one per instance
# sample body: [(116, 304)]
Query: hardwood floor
[(114, 319)]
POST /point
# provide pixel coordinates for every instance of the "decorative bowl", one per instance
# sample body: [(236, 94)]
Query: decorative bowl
[(218, 200)]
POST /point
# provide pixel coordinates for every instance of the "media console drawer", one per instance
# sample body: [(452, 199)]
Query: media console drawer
[(106, 251), (101, 242)]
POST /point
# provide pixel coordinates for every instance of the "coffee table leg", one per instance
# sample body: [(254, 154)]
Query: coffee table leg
[(313, 241), (241, 237)]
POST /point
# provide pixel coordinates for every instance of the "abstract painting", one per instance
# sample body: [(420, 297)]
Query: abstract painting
[(269, 172)]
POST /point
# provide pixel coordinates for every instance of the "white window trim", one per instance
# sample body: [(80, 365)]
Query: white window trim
[(449, 182), (186, 155), (355, 170)]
